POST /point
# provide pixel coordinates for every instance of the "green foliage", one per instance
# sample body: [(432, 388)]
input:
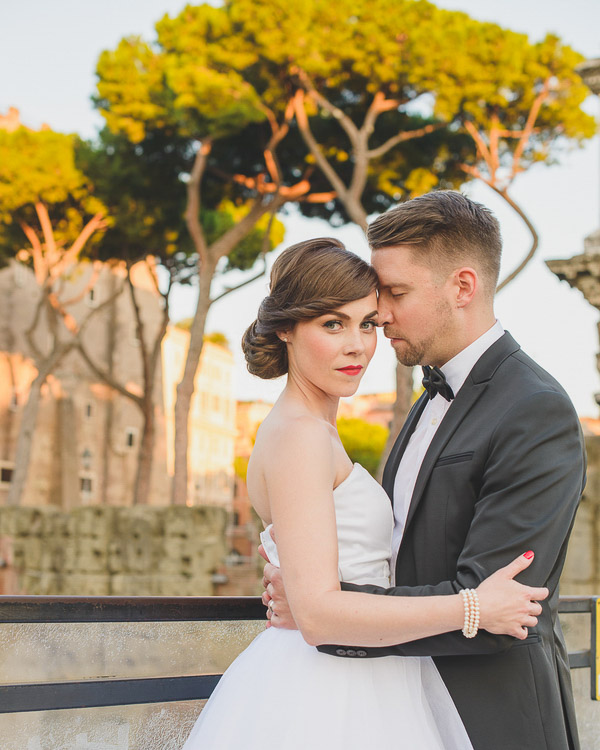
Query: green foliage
[(215, 71), (216, 222), (240, 467), (41, 167), (141, 185), (217, 338), (363, 442)]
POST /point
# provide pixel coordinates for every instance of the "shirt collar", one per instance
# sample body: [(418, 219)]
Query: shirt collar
[(457, 369)]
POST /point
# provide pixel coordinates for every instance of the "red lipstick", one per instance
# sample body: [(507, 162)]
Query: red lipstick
[(351, 369)]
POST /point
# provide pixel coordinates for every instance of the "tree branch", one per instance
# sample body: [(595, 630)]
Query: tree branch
[(479, 142), (71, 255), (230, 239), (529, 127), (314, 148), (96, 271), (41, 273), (345, 121), (139, 324), (46, 225), (279, 132), (264, 250), (96, 369), (192, 211), (37, 352), (534, 245), (406, 135)]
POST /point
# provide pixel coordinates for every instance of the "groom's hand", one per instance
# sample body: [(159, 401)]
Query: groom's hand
[(274, 598)]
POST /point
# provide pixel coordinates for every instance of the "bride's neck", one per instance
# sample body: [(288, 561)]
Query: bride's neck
[(307, 398)]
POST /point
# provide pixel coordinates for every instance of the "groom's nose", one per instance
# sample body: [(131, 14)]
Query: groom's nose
[(384, 313)]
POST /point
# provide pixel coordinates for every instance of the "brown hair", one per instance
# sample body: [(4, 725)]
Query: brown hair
[(447, 228), (308, 279)]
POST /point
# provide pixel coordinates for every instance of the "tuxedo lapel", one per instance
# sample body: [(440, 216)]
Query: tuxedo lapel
[(473, 388), (391, 466)]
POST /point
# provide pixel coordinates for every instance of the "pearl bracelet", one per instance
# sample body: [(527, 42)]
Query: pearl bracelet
[(471, 605)]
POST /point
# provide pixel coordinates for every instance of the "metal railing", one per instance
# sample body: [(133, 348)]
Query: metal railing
[(87, 693)]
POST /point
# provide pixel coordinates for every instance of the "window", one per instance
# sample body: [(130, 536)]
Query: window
[(85, 484), (88, 410), (6, 474), (131, 437), (91, 298), (14, 401)]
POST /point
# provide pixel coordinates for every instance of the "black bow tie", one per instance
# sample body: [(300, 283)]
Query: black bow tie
[(434, 381)]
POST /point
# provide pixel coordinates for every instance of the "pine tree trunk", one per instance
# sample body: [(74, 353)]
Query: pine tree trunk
[(143, 478), (185, 389)]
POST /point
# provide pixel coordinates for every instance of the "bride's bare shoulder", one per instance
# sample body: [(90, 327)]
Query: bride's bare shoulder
[(287, 437)]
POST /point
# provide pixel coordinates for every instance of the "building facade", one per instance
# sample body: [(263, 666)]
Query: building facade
[(87, 435)]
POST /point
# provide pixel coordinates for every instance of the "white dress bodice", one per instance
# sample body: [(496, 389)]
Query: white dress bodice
[(365, 522), (317, 700)]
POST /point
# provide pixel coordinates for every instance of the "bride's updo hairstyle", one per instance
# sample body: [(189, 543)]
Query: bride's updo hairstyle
[(308, 280)]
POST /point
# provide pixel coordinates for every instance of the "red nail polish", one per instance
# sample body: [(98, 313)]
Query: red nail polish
[(528, 555)]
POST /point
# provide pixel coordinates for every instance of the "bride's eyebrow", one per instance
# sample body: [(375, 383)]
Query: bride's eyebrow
[(370, 315)]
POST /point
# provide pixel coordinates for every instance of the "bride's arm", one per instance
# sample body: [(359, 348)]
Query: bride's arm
[(299, 476)]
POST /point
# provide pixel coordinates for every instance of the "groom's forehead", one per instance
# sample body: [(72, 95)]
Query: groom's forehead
[(397, 266)]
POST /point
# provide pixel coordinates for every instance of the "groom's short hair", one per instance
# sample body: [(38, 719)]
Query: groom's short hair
[(447, 230)]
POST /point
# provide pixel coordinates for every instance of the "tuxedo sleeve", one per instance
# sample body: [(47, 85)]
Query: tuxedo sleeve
[(530, 488)]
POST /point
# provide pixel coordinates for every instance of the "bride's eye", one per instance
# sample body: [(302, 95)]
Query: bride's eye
[(368, 325), (332, 325)]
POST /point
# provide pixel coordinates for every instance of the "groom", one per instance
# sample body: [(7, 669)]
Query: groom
[(489, 463)]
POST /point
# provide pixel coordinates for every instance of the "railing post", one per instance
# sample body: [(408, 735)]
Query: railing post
[(595, 649)]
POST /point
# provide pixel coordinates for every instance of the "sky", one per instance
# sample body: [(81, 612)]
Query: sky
[(48, 53)]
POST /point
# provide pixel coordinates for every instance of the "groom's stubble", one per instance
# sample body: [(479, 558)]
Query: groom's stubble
[(426, 351)]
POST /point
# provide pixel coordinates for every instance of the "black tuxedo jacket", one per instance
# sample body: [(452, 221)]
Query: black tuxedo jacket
[(503, 474)]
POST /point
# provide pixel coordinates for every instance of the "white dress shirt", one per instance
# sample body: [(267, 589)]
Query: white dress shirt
[(456, 372)]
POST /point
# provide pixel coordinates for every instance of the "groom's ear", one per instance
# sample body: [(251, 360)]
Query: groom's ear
[(467, 284)]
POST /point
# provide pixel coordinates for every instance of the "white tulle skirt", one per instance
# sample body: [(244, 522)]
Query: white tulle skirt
[(282, 693)]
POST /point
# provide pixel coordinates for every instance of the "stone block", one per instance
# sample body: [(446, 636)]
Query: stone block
[(138, 555), (115, 556), (86, 584), (91, 555), (139, 522), (579, 565), (70, 556), (30, 521), (8, 521), (33, 553), (179, 523), (94, 521), (174, 585), (132, 585)]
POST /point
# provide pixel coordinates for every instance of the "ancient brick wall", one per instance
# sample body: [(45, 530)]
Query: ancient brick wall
[(106, 550), (581, 574)]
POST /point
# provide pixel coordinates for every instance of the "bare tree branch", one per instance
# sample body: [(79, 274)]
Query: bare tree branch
[(96, 271), (40, 272), (192, 212), (99, 371), (534, 234), (345, 121), (313, 146), (46, 225), (71, 255), (264, 250)]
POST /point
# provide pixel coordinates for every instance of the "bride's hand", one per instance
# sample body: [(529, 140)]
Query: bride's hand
[(506, 606)]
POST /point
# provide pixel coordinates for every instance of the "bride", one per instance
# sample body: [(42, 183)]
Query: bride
[(334, 523)]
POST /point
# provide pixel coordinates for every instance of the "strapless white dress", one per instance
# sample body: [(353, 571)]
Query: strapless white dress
[(282, 693)]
